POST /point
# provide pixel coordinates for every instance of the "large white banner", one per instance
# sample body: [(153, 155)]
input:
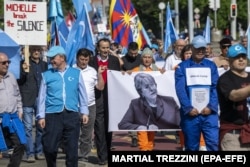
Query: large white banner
[(121, 91), (26, 22)]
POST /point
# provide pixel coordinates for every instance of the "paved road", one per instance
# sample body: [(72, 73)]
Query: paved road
[(121, 142), (60, 162)]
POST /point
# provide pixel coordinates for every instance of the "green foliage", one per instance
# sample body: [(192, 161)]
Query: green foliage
[(148, 12)]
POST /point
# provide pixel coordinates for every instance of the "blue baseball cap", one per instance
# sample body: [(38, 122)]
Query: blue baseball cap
[(235, 50), (199, 42), (55, 50), (154, 46)]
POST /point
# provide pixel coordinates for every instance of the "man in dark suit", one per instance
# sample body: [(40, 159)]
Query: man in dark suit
[(104, 58), (29, 84), (150, 111)]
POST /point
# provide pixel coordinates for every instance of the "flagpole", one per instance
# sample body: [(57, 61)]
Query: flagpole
[(161, 6), (190, 20)]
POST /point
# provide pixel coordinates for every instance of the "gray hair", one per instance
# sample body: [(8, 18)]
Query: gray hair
[(142, 79)]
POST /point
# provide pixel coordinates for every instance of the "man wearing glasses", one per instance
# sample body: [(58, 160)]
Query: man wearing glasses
[(11, 128), (222, 61), (195, 84)]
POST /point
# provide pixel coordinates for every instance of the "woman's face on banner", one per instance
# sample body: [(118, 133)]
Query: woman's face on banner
[(149, 90)]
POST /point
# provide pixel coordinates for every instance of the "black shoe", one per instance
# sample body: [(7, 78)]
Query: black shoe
[(134, 142), (102, 162), (84, 159)]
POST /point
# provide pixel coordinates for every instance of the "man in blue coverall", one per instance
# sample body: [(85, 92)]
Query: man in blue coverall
[(195, 84)]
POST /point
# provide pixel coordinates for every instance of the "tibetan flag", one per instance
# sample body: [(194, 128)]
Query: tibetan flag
[(125, 24), (80, 36), (170, 32), (207, 31)]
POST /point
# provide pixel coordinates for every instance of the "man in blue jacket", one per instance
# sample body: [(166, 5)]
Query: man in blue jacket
[(195, 84), (62, 95)]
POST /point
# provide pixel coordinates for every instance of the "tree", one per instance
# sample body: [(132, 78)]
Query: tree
[(150, 15), (148, 12)]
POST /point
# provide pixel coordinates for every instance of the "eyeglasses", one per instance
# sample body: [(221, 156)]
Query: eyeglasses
[(36, 49), (5, 62), (225, 46)]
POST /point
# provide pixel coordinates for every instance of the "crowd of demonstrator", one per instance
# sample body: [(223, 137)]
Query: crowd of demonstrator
[(71, 103)]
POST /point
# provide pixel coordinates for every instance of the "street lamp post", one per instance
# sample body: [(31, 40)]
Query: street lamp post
[(161, 6)]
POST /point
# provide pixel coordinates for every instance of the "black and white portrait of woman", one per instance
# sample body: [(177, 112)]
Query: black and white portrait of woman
[(150, 111)]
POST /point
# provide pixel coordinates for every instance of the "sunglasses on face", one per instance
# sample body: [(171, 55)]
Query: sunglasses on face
[(5, 62), (225, 46)]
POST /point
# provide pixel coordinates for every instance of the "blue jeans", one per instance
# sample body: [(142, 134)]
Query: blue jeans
[(31, 147)]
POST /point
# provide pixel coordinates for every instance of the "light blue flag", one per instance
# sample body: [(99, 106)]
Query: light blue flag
[(170, 32), (247, 30), (63, 33), (14, 66), (80, 36), (54, 35), (145, 34), (12, 50), (248, 42), (78, 5), (55, 11), (207, 31)]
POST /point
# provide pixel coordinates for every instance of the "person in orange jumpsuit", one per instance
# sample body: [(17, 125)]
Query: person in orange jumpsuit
[(146, 138)]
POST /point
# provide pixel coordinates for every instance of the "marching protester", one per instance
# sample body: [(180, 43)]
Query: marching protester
[(103, 138), (198, 98), (221, 61), (145, 138), (61, 97), (209, 52), (186, 54), (174, 59), (233, 92), (92, 79), (12, 132), (243, 41), (131, 60), (29, 83)]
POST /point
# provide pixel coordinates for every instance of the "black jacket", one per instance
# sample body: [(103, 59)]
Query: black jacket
[(28, 84)]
